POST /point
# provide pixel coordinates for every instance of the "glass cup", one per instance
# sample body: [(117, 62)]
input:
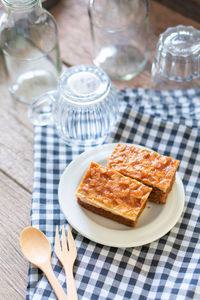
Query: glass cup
[(83, 108), (119, 30), (177, 59)]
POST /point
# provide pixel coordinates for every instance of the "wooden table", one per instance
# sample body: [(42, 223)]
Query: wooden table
[(16, 146)]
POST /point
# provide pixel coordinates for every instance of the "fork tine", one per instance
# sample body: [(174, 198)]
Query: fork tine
[(57, 241), (71, 242), (64, 241)]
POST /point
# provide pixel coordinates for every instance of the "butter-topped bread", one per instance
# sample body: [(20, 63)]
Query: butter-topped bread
[(108, 193), (150, 168)]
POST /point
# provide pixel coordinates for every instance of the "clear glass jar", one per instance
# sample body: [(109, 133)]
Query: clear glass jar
[(29, 42), (119, 30)]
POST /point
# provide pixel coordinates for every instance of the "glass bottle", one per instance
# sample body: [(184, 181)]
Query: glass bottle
[(119, 30), (29, 42)]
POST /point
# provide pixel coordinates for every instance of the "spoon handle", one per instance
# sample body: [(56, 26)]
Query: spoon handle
[(47, 269)]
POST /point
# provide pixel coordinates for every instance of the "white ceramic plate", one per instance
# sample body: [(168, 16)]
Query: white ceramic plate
[(155, 221)]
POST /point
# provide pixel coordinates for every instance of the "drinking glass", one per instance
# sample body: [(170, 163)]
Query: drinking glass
[(84, 108), (177, 59)]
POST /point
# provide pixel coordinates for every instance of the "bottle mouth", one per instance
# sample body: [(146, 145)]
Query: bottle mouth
[(19, 4)]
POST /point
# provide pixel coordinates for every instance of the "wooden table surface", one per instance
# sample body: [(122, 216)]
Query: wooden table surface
[(16, 145)]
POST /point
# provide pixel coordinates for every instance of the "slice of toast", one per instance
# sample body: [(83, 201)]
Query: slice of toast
[(110, 194), (150, 168)]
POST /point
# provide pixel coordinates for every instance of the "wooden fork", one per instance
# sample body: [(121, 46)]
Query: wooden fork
[(67, 256)]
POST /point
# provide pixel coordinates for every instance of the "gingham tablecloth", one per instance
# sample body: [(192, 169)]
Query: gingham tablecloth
[(169, 268)]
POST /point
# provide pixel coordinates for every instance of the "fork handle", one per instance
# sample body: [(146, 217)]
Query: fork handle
[(60, 294), (70, 282)]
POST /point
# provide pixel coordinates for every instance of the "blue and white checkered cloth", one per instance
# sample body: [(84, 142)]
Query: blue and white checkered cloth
[(169, 268)]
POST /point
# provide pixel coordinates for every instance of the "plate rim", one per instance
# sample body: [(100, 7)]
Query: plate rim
[(106, 242)]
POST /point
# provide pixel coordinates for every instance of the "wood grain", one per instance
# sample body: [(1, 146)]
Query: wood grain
[(16, 144), (15, 210), (190, 9)]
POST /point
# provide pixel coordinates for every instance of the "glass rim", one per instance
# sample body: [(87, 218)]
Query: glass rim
[(88, 99), (176, 31)]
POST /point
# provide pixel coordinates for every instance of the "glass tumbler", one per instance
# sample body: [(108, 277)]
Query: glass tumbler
[(84, 108), (119, 30), (29, 43), (177, 59)]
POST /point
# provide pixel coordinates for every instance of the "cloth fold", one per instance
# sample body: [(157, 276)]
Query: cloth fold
[(169, 268)]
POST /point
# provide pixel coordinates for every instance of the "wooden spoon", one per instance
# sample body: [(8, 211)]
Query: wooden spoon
[(37, 250)]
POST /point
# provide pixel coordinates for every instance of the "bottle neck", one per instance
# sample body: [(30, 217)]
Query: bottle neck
[(21, 4)]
